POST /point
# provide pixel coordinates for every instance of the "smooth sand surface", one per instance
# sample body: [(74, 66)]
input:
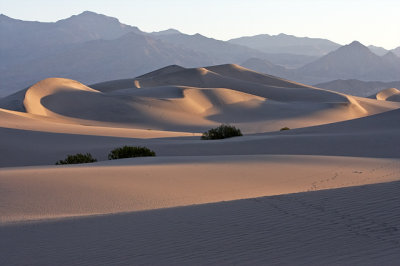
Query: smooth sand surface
[(131, 211), (22, 121), (372, 136), (150, 183), (347, 226)]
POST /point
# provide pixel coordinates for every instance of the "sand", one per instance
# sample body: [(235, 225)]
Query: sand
[(392, 94), (194, 100), (347, 226), (152, 183), (199, 202)]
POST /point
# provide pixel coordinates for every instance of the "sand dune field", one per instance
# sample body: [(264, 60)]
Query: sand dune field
[(326, 190)]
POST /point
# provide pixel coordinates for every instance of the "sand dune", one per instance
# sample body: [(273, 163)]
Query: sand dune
[(388, 95), (65, 117), (35, 94), (371, 136), (200, 76), (28, 122), (240, 79), (193, 100), (152, 183), (348, 226), (335, 141)]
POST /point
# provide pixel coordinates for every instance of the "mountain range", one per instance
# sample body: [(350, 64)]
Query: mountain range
[(92, 48), (396, 51), (358, 87), (283, 43), (352, 61), (26, 40)]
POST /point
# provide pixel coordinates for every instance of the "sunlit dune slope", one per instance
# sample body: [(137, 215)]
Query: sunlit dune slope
[(371, 136), (151, 183), (193, 100), (237, 78), (392, 94)]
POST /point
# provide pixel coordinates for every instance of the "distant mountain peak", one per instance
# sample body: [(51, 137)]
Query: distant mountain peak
[(166, 32), (390, 54), (392, 58), (88, 16), (91, 14), (5, 18), (287, 44), (356, 44), (89, 25), (377, 50), (354, 61), (88, 13), (264, 35), (200, 36), (396, 51)]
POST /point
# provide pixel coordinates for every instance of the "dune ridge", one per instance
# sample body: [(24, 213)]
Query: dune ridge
[(391, 94), (65, 117), (323, 192), (193, 100), (34, 95)]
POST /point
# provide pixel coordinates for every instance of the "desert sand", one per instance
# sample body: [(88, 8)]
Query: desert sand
[(347, 226), (324, 191), (152, 183), (392, 94)]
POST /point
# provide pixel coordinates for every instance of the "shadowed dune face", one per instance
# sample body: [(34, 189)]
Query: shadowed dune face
[(193, 100), (35, 94)]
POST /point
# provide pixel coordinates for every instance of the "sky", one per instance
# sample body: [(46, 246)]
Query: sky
[(342, 21)]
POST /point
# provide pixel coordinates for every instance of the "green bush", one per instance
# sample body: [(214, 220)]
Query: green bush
[(285, 128), (222, 132), (129, 152), (77, 158)]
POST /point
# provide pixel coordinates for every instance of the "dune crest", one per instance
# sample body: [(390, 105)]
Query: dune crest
[(46, 87), (215, 98), (391, 94), (193, 100)]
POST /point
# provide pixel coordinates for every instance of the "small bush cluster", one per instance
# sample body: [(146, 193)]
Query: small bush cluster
[(129, 152), (118, 153), (285, 128), (222, 132), (77, 158)]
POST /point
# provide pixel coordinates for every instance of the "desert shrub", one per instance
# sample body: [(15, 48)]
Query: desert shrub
[(285, 128), (129, 152), (77, 158), (222, 132)]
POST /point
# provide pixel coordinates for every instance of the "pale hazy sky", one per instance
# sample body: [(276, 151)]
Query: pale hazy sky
[(370, 22)]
